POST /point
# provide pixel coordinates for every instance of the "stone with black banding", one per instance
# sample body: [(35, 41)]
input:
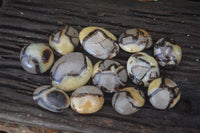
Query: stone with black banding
[(87, 99), (135, 40), (71, 71), (128, 100), (142, 68), (51, 98), (36, 58), (99, 42), (163, 93), (64, 41), (109, 75), (167, 52)]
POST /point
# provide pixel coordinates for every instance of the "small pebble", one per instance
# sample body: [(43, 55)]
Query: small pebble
[(36, 58), (128, 100), (109, 75), (71, 71), (135, 40), (167, 52), (142, 69), (99, 42), (163, 93), (51, 98), (64, 41), (87, 99)]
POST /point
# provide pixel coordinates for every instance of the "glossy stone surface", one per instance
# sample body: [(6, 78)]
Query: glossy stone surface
[(128, 100), (99, 42), (71, 71), (36, 58), (109, 75), (87, 99), (64, 41), (135, 40), (163, 93), (51, 98), (167, 52), (142, 69)]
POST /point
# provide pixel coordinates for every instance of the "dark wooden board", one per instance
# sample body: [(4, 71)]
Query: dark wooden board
[(6, 127), (26, 21)]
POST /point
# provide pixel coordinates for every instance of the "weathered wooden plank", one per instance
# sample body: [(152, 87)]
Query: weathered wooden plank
[(24, 21), (6, 127)]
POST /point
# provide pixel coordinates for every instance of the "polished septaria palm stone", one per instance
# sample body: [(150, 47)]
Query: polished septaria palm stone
[(142, 69), (128, 100), (167, 52), (109, 75), (163, 93), (36, 58), (71, 71), (87, 99), (99, 42), (51, 98), (135, 40), (64, 41)]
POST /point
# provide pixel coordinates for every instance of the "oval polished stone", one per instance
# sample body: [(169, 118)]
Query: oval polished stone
[(109, 75), (51, 98), (99, 42), (163, 93), (87, 99), (64, 41), (36, 58), (135, 40), (128, 100), (71, 71), (142, 69), (167, 52)]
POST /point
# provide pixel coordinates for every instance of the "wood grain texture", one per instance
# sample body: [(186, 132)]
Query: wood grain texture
[(26, 21), (6, 127)]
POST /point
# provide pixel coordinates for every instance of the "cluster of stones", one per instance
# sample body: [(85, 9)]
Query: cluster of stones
[(73, 70)]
